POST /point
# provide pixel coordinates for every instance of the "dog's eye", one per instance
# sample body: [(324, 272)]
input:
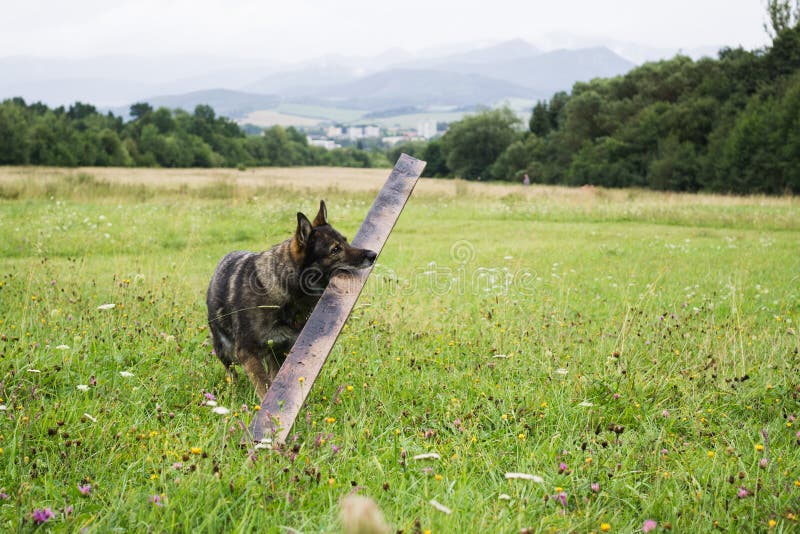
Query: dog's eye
[(335, 250)]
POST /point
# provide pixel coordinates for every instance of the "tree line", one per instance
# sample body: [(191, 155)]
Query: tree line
[(34, 134), (730, 124)]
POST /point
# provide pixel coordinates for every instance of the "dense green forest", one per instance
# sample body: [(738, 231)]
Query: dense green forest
[(80, 135), (729, 125)]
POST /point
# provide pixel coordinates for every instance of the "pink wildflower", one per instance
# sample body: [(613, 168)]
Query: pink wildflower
[(42, 515)]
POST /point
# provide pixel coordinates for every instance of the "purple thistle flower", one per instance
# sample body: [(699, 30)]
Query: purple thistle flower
[(562, 467), (209, 396), (85, 489), (42, 515), (561, 498), (92, 381), (177, 465), (742, 493), (595, 487), (68, 510), (649, 525), (4, 496), (335, 448), (156, 500), (763, 463)]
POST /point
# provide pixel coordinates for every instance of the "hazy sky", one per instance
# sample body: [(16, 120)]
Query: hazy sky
[(298, 29)]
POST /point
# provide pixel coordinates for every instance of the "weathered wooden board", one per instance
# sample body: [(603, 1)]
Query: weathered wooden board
[(288, 392)]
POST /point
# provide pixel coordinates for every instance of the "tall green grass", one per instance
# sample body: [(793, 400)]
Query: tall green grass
[(642, 359)]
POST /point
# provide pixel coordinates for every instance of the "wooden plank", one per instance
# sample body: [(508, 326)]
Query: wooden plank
[(288, 392)]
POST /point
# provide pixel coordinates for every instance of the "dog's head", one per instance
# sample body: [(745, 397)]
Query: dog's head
[(325, 250)]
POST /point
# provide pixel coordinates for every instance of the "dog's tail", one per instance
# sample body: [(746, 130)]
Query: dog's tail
[(361, 515)]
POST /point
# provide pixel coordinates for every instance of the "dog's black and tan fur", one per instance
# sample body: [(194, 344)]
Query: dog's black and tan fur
[(258, 302)]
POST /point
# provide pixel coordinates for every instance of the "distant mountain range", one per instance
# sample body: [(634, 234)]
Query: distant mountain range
[(514, 71)]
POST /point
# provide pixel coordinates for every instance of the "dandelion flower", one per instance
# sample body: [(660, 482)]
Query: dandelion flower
[(605, 527)]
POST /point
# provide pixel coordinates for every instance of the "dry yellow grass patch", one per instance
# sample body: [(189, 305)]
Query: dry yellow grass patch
[(365, 180)]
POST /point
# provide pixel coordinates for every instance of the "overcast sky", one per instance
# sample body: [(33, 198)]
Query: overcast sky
[(290, 30)]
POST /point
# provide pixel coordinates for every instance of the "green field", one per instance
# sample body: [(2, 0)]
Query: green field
[(637, 351)]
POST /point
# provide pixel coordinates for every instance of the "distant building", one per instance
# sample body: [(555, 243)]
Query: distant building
[(355, 132), (324, 143), (372, 131), (426, 129), (334, 132)]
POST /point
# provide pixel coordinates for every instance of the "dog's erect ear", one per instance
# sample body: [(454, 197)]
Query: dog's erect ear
[(303, 229), (322, 215)]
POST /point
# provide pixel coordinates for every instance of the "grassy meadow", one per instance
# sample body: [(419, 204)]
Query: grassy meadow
[(636, 352)]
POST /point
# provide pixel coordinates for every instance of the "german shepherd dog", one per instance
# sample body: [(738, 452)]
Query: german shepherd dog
[(258, 302)]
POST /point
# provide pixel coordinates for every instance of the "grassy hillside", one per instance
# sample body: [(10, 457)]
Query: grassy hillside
[(635, 350)]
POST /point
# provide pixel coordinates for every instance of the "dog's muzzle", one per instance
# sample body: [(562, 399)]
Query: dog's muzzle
[(369, 258)]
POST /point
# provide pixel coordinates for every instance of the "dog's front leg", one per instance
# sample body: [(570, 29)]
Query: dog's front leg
[(253, 365), (282, 338)]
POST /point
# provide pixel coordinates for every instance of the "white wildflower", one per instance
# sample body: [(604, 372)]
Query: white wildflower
[(439, 506), (504, 497), (525, 476), (125, 374), (211, 403), (561, 371), (90, 418), (586, 404), (83, 387), (265, 443), (62, 347), (109, 306), (427, 456), (221, 410)]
